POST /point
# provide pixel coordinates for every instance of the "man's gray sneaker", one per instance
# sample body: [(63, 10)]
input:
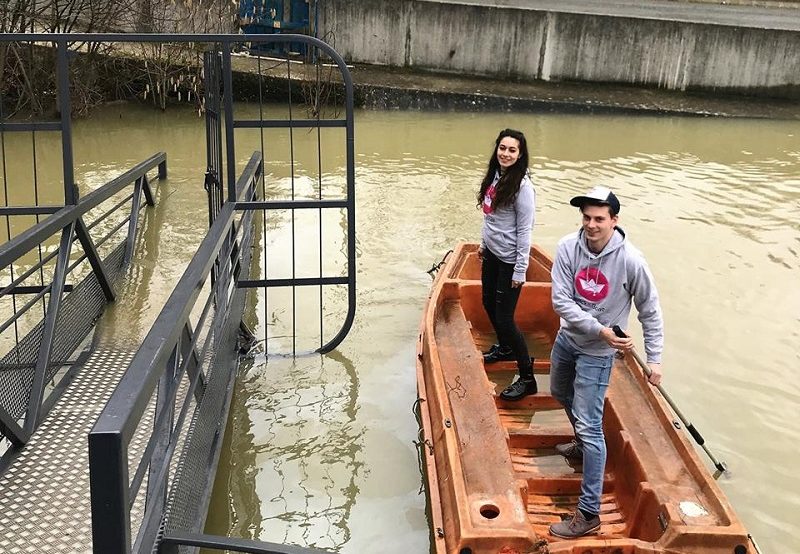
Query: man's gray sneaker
[(570, 450), (575, 527)]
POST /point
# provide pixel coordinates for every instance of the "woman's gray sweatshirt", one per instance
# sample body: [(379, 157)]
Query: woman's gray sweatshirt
[(592, 291), (507, 230)]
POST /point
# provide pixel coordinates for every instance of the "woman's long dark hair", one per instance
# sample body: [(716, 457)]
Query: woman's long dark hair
[(508, 186)]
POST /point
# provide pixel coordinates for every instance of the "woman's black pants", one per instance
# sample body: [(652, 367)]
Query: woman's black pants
[(500, 301)]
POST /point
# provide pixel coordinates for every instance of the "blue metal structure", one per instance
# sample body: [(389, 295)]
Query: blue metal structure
[(275, 17)]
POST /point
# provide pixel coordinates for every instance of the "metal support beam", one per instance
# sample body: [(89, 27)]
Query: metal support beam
[(94, 260), (37, 126), (133, 221), (299, 282), (11, 430), (148, 192), (49, 331), (162, 169), (291, 204), (31, 289), (171, 542), (164, 421), (193, 364), (288, 123), (29, 210)]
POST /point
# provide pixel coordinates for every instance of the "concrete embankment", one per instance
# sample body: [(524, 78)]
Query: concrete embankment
[(381, 87), (727, 49)]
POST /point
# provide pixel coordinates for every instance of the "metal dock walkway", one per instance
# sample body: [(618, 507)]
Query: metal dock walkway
[(44, 493), (106, 449)]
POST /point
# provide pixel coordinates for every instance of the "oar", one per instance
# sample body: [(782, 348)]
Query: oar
[(694, 432)]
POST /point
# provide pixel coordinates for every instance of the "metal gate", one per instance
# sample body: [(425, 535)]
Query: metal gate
[(221, 174)]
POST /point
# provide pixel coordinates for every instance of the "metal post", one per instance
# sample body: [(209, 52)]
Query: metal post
[(162, 169), (351, 215), (65, 107), (227, 85), (108, 480)]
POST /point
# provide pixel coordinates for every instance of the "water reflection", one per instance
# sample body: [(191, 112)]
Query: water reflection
[(307, 447)]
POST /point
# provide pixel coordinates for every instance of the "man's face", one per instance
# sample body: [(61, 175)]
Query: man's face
[(598, 226)]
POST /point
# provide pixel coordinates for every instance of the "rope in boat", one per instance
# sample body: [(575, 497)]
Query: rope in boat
[(421, 441), (435, 267)]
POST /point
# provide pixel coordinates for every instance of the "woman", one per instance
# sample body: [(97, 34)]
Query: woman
[(508, 202)]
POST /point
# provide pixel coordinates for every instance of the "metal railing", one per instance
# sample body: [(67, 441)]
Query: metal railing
[(70, 310), (154, 392)]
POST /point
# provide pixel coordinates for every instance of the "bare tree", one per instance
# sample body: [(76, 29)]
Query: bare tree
[(27, 71), (157, 72), (173, 72)]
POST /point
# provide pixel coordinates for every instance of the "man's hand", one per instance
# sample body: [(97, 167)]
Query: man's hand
[(655, 373), (620, 343), (516, 284)]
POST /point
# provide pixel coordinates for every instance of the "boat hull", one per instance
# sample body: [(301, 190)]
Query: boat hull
[(494, 481)]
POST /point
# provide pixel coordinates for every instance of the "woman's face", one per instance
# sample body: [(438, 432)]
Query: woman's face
[(508, 152)]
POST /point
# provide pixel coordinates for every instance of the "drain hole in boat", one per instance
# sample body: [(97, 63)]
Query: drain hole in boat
[(490, 511)]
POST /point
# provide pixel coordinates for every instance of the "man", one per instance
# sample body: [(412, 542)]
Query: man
[(596, 274)]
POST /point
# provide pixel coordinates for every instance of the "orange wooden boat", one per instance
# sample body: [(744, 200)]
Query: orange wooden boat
[(495, 483)]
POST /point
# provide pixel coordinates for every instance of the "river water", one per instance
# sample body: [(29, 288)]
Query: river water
[(320, 449)]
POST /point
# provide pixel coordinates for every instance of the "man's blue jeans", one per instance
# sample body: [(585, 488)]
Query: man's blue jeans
[(579, 382)]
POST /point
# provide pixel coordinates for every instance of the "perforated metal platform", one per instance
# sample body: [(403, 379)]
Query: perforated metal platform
[(44, 493)]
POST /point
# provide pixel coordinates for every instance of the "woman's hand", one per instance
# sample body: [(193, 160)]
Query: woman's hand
[(516, 284)]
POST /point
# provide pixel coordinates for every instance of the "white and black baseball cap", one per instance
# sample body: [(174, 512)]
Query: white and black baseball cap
[(598, 195)]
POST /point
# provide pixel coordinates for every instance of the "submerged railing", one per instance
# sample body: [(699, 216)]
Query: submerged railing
[(36, 356)]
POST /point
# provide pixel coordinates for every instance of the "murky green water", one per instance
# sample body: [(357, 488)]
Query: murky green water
[(320, 449)]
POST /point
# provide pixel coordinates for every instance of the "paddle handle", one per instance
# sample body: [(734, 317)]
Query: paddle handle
[(689, 427)]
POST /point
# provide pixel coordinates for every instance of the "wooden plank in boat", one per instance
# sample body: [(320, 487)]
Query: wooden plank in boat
[(488, 497)]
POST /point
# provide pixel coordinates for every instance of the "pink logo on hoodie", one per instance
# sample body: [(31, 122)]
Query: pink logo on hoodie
[(591, 284), (488, 199)]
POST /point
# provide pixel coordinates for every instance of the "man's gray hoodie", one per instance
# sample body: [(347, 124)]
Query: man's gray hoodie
[(592, 291), (507, 230)]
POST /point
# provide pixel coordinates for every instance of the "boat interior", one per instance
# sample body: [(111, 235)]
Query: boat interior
[(501, 484)]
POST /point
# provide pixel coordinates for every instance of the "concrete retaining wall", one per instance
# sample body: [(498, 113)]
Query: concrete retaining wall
[(528, 44)]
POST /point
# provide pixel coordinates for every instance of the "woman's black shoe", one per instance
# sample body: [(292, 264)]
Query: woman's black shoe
[(519, 389), (498, 355), (492, 348)]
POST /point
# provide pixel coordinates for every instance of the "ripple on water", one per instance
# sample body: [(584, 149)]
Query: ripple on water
[(712, 204)]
